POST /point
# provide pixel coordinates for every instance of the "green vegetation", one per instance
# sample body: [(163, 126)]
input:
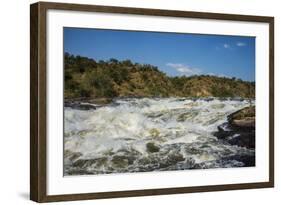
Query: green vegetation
[(86, 78)]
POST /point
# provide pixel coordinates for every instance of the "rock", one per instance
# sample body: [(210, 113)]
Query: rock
[(87, 103), (171, 160), (101, 101), (75, 156), (208, 99), (239, 129), (188, 115), (244, 118), (154, 132), (224, 127), (245, 123), (83, 163), (120, 161), (80, 106), (176, 158), (248, 161), (151, 147), (242, 139)]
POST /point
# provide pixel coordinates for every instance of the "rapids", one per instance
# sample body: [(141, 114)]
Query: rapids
[(150, 134)]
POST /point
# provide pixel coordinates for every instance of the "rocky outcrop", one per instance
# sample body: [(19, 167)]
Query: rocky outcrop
[(243, 119), (239, 128), (86, 103), (79, 105)]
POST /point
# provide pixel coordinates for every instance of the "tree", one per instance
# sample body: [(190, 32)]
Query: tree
[(85, 77)]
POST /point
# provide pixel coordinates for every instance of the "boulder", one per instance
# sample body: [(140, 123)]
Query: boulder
[(244, 118), (151, 147), (80, 106), (239, 129)]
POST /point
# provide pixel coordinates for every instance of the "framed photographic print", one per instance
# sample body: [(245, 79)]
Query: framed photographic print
[(134, 102)]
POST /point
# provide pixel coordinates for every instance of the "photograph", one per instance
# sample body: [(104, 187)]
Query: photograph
[(146, 101)]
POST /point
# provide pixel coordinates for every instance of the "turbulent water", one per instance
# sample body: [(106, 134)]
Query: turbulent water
[(136, 135)]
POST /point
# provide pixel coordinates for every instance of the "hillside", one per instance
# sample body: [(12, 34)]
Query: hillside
[(85, 77)]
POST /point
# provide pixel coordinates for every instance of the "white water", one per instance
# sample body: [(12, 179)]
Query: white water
[(115, 138)]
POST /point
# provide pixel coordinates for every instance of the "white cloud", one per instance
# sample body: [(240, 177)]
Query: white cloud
[(226, 45), (240, 44), (184, 69), (223, 76), (218, 75)]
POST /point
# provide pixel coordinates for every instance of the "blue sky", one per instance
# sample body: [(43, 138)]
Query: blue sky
[(175, 54)]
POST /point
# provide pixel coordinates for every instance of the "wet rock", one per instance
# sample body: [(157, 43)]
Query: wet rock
[(99, 162), (100, 101), (247, 160), (154, 132), (192, 150), (174, 158), (120, 161), (221, 163), (83, 163), (208, 99), (188, 115), (171, 160), (79, 105), (223, 98), (75, 156), (183, 164), (242, 139), (77, 171), (224, 127), (151, 147), (155, 114), (239, 128)]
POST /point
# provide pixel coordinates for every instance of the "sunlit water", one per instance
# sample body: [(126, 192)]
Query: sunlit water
[(136, 135)]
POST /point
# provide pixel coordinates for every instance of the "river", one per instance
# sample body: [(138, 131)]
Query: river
[(150, 134)]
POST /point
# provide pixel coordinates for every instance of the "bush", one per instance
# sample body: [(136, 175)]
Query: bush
[(84, 77)]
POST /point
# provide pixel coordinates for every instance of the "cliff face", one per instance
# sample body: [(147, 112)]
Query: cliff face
[(85, 77)]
